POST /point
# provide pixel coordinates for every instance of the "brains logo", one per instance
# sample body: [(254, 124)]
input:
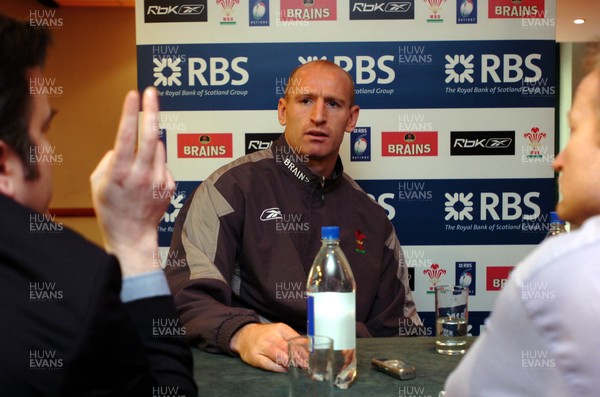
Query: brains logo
[(459, 68), (167, 71), (459, 206)]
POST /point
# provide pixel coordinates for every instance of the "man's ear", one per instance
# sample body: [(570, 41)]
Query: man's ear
[(281, 108), (7, 158), (352, 119)]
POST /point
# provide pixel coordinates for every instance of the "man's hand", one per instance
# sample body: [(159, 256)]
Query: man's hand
[(130, 190), (263, 345)]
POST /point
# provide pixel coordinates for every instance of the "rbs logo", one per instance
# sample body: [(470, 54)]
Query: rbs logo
[(215, 71), (510, 68), (510, 205), (218, 70), (506, 207)]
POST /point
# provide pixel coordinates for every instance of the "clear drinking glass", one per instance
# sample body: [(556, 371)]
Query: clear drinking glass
[(452, 318), (310, 366)]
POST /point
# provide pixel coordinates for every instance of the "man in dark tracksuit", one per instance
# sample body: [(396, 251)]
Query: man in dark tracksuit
[(245, 241)]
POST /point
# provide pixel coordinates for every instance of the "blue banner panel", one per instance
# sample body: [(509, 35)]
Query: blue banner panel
[(183, 190), (466, 211), (388, 75)]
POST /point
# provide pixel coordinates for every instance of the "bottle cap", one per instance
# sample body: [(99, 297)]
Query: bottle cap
[(330, 233), (554, 218)]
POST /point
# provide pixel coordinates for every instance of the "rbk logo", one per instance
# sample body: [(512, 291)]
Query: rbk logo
[(479, 143), (398, 7), (394, 6), (175, 11), (498, 142), (191, 9), (490, 143), (188, 9), (271, 214)]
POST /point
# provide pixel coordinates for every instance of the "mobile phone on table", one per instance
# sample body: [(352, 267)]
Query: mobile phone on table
[(396, 368)]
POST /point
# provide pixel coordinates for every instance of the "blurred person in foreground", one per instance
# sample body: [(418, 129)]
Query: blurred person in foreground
[(541, 338), (69, 325), (250, 232)]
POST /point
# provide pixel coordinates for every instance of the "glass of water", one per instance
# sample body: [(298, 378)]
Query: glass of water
[(452, 319), (310, 366)]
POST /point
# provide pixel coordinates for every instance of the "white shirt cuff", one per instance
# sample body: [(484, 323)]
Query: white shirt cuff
[(145, 285)]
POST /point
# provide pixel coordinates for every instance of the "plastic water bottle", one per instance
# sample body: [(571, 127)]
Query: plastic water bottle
[(332, 304), (557, 225)]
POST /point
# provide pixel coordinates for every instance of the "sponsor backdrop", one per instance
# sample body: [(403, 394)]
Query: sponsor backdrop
[(456, 132)]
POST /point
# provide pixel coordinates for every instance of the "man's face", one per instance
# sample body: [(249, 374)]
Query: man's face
[(579, 162), (317, 111), (36, 193)]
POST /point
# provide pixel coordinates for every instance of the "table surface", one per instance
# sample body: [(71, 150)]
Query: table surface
[(219, 375)]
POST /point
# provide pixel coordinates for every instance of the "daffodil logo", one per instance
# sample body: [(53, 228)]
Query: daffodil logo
[(167, 71), (459, 206), (459, 68)]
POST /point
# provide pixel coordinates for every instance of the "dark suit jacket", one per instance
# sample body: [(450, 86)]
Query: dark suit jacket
[(63, 328)]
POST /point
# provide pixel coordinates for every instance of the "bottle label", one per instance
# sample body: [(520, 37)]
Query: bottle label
[(333, 314)]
